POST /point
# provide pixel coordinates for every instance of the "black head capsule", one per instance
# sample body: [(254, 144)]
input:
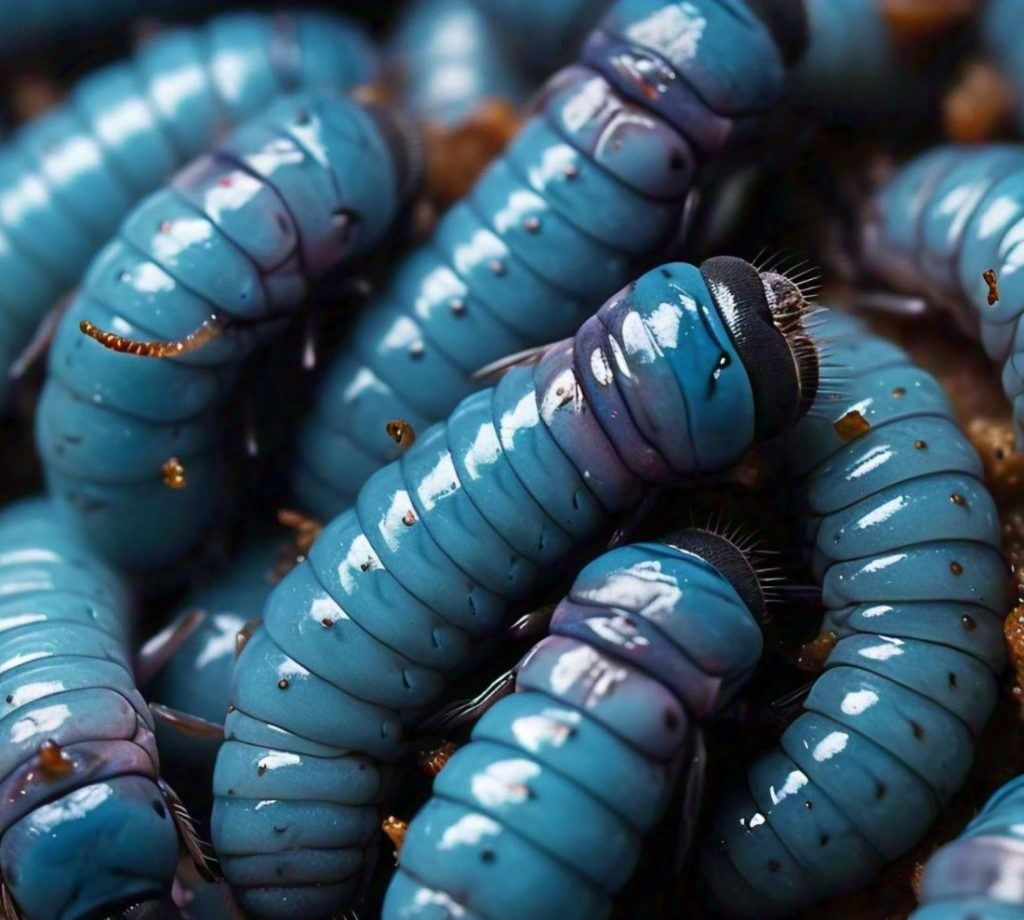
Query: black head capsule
[(734, 564), (764, 314)]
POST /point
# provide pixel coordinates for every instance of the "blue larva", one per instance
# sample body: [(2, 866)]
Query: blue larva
[(673, 378), (68, 178), (905, 545), (947, 227), (84, 828), (978, 875), (1000, 25), (232, 244), (588, 195), (543, 812)]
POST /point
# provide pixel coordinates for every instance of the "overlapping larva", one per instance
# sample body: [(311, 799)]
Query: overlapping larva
[(588, 195), (905, 545), (133, 447), (561, 781), (948, 227), (978, 875), (672, 379), (68, 178), (84, 829)]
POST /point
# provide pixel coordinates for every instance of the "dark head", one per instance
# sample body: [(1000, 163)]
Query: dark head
[(764, 313), (729, 559)]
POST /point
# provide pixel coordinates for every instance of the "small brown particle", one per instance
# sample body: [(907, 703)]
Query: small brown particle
[(409, 519), (243, 636), (968, 623), (957, 499), (920, 445), (458, 306), (173, 473), (498, 267), (53, 762), (813, 654), (416, 350), (956, 568), (282, 684), (327, 622), (993, 286), (532, 223), (395, 828), (899, 392), (401, 432), (851, 425), (433, 762), (572, 171)]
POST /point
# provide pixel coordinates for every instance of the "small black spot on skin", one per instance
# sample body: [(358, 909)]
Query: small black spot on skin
[(416, 350), (261, 769), (917, 728), (10, 697), (665, 273), (532, 224), (278, 871), (823, 840), (405, 680), (364, 566), (458, 306), (968, 623), (671, 720), (1000, 454), (952, 680), (280, 830), (498, 267), (774, 866), (158, 807), (362, 767), (302, 117), (488, 855), (675, 161), (572, 171), (880, 790), (809, 805)]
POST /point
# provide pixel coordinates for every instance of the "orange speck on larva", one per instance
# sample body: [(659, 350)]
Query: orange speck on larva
[(395, 828), (173, 473), (851, 425)]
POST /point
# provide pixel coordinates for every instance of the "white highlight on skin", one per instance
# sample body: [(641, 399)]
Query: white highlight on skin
[(858, 702), (832, 744), (796, 781), (675, 29), (552, 727), (504, 782), (469, 830), (889, 648), (42, 721)]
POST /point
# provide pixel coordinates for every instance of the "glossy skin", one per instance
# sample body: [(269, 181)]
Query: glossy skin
[(100, 834), (451, 61), (938, 225), (195, 679), (978, 874), (439, 548), (68, 178), (587, 196), (915, 590), (308, 185), (650, 640)]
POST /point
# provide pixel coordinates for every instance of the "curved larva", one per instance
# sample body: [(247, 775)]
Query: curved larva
[(234, 240), (84, 829), (561, 781), (939, 226), (588, 195), (905, 541), (68, 178), (672, 378), (979, 873)]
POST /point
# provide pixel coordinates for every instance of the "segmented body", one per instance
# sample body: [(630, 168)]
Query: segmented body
[(235, 240), (196, 677), (587, 196), (452, 61), (70, 177), (78, 761), (939, 226), (480, 510), (978, 874), (904, 539), (561, 781)]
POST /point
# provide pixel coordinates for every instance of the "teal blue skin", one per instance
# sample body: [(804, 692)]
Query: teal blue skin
[(196, 678), (977, 875), (100, 836), (1000, 21), (852, 71), (938, 225), (586, 750), (905, 544), (442, 544), (70, 177), (304, 188), (451, 60), (588, 194)]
